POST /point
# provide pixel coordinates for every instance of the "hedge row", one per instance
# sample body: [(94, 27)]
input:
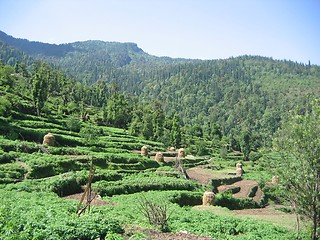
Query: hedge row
[(128, 186)]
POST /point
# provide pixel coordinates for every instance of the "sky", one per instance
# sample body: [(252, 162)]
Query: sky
[(197, 29)]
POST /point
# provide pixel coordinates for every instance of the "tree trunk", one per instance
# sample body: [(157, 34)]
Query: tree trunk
[(294, 205), (315, 210)]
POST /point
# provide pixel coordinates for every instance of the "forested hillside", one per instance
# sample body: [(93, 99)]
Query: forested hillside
[(99, 124), (238, 98)]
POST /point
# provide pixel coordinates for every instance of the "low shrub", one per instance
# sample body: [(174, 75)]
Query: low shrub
[(186, 198), (226, 199)]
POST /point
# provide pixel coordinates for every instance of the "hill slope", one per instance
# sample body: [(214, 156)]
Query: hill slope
[(244, 94)]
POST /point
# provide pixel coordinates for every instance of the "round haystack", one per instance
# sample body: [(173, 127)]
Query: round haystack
[(49, 140), (275, 180), (159, 157), (172, 149), (239, 172), (181, 153), (208, 198), (144, 151), (239, 165)]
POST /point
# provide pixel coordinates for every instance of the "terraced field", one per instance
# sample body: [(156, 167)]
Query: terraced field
[(34, 177)]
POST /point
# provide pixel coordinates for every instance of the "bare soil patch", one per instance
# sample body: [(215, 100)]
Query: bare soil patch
[(97, 201), (157, 235), (203, 175), (245, 186)]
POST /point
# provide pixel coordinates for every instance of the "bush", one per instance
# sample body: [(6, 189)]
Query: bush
[(89, 133), (156, 213), (226, 199), (186, 198), (73, 124), (5, 106), (7, 157)]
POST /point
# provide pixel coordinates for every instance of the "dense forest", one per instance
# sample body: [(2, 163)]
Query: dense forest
[(240, 101)]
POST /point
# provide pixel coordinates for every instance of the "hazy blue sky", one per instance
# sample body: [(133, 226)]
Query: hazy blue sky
[(205, 29)]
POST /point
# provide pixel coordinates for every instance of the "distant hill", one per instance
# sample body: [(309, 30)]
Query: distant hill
[(243, 93)]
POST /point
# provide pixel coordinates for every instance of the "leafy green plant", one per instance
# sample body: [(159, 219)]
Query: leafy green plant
[(226, 199)]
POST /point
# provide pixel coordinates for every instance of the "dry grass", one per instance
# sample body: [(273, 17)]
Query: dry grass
[(49, 140)]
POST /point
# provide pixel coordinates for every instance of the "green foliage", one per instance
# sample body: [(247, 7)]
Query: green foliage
[(233, 104), (141, 182), (89, 133), (118, 111), (226, 199), (5, 106), (40, 88), (45, 216), (206, 223), (176, 131), (199, 222), (186, 198), (73, 124), (63, 184), (299, 167)]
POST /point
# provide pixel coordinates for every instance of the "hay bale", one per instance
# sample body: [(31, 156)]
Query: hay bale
[(275, 180), (159, 157), (172, 149), (239, 165), (144, 151), (181, 153), (49, 140), (208, 198), (239, 172)]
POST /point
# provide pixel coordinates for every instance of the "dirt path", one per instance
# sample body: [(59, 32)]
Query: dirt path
[(269, 214), (245, 187), (149, 234)]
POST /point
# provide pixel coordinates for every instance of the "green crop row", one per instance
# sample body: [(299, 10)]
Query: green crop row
[(39, 124), (8, 145), (11, 172), (46, 216), (135, 184), (7, 157), (64, 184), (46, 165)]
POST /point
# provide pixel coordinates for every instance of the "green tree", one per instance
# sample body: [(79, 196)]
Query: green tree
[(118, 111), (5, 106), (245, 144), (158, 121), (6, 77), (176, 131), (73, 124), (40, 88), (299, 169)]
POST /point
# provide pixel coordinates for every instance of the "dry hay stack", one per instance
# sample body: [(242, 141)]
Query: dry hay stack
[(239, 172), (159, 157), (208, 198), (144, 151), (275, 180), (172, 149), (49, 140), (239, 165), (181, 153)]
